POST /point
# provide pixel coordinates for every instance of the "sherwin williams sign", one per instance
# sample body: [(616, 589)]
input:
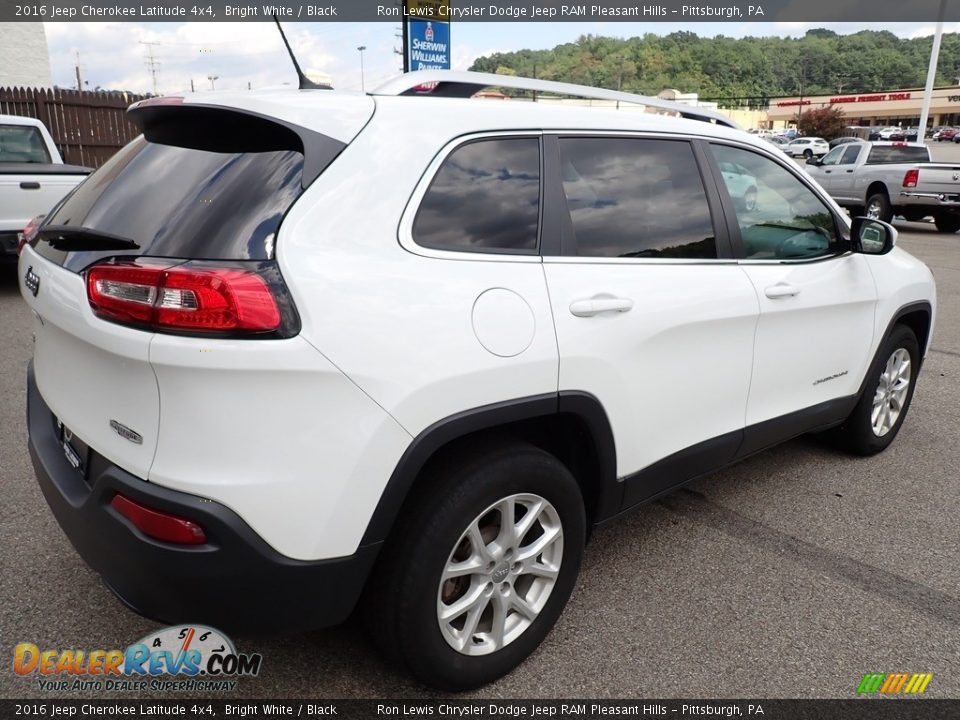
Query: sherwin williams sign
[(428, 45)]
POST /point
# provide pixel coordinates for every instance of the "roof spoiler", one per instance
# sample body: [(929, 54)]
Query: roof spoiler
[(458, 84)]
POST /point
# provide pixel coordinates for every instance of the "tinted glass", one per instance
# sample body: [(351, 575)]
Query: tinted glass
[(880, 154), (22, 145), (485, 197), (183, 203), (850, 154), (779, 216), (634, 197)]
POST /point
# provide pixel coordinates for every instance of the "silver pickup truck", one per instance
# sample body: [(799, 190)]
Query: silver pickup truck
[(33, 178), (883, 179)]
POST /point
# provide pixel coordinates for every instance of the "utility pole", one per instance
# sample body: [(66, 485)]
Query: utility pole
[(191, 85), (534, 77), (213, 79), (77, 68), (151, 62), (360, 50)]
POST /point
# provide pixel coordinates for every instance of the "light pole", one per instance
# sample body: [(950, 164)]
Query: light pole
[(360, 50), (212, 79)]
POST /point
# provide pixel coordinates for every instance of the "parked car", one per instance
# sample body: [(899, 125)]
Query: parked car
[(741, 185), (843, 140), (933, 132), (946, 134), (807, 147), (33, 177), (416, 385), (881, 180), (891, 134)]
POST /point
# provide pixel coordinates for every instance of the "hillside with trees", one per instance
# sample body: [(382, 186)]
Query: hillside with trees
[(738, 71)]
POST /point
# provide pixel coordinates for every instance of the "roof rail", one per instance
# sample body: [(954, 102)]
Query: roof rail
[(460, 84)]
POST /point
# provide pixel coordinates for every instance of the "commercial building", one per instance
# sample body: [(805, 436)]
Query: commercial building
[(894, 107)]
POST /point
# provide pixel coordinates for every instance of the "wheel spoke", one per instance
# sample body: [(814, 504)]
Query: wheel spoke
[(550, 534), (522, 606), (473, 619), (459, 607), (527, 521), (533, 567), (476, 541), (498, 629), (471, 565)]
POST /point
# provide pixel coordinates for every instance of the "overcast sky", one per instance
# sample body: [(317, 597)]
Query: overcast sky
[(113, 56)]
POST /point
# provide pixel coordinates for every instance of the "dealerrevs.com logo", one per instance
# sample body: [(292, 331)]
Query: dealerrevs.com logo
[(188, 658), (894, 683)]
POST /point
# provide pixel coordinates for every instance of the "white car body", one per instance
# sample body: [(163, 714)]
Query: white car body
[(807, 146), (301, 436)]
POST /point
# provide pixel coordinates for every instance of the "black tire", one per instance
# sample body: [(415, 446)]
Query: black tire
[(807, 154), (750, 200), (914, 215), (856, 434), (403, 593), (947, 222), (884, 211)]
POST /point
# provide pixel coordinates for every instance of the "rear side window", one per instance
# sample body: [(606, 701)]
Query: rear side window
[(484, 198), (850, 155), (635, 197), (183, 203), (21, 144), (883, 154)]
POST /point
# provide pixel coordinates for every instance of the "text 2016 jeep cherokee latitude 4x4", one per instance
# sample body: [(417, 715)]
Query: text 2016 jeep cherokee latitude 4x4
[(299, 349)]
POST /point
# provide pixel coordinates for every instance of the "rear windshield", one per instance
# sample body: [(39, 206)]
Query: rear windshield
[(19, 144), (183, 203), (885, 154)]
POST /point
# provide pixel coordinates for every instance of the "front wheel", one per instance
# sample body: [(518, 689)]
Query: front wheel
[(480, 568), (807, 154), (879, 414)]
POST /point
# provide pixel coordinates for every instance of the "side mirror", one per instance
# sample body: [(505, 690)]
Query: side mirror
[(872, 237), (814, 161)]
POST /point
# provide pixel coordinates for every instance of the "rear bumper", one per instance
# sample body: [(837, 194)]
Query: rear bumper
[(947, 201), (235, 581)]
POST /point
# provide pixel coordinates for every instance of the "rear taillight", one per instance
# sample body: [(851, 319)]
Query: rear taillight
[(158, 524), (191, 297), (29, 232), (911, 178)]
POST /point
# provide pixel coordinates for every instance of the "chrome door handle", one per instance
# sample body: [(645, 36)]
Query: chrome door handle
[(596, 305), (781, 290)]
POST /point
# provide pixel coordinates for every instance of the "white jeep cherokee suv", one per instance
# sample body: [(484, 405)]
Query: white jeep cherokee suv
[(300, 351)]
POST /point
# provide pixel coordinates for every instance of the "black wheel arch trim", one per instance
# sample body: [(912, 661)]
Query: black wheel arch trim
[(904, 310), (487, 417)]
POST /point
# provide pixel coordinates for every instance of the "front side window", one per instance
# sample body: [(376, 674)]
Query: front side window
[(833, 157), (22, 144), (850, 155), (636, 197), (784, 219), (484, 198)]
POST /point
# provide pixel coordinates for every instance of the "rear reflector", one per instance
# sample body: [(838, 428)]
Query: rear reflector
[(183, 297), (159, 525), (911, 178)]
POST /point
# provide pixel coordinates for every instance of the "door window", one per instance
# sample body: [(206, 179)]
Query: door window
[(850, 154), (636, 197), (484, 198), (833, 157), (784, 218)]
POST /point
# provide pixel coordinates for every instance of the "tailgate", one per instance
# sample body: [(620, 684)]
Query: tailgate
[(944, 179), (24, 196), (90, 373)]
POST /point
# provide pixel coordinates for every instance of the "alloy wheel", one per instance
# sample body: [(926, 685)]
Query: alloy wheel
[(500, 574), (891, 393)]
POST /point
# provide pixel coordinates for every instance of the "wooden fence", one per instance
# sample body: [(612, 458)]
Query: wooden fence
[(88, 127)]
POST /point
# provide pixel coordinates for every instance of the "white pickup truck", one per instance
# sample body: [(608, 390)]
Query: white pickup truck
[(883, 179), (33, 177)]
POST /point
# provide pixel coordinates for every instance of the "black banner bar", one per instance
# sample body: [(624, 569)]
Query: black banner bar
[(860, 709), (477, 11)]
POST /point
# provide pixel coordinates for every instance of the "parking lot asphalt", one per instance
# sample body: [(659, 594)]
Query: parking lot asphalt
[(790, 574)]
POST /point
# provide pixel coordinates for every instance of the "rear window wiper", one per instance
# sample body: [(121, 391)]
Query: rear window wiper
[(70, 239)]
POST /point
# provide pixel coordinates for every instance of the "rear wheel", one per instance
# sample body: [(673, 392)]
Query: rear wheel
[(807, 154), (750, 200), (882, 407), (480, 568), (947, 222)]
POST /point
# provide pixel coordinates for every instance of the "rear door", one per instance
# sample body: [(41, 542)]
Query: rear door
[(653, 316)]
